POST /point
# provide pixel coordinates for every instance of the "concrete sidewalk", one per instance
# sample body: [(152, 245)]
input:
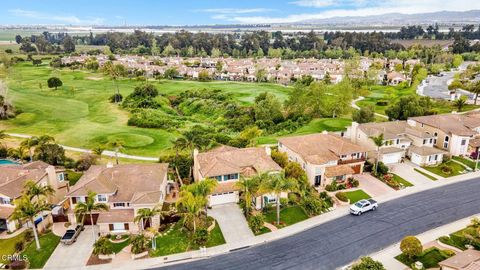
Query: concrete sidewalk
[(281, 233), (387, 255)]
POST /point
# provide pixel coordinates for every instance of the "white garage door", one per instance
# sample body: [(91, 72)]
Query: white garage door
[(222, 198), (392, 158), (416, 159)]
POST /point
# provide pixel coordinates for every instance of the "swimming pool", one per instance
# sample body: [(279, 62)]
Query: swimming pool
[(7, 162)]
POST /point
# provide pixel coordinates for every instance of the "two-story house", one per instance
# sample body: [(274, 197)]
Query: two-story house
[(227, 164), (400, 140), (125, 189), (12, 181), (324, 157)]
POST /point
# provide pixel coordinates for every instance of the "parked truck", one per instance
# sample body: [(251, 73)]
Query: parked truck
[(71, 235), (363, 206)]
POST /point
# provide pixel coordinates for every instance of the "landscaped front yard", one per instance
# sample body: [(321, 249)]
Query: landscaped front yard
[(446, 169), (470, 163), (7, 246), (401, 181), (425, 174), (178, 240), (38, 258), (430, 258), (357, 195), (288, 215)]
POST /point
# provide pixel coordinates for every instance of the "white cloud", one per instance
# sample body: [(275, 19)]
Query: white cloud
[(313, 3), (69, 19), (365, 8), (234, 10)]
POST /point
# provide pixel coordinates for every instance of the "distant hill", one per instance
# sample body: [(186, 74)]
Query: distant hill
[(441, 17)]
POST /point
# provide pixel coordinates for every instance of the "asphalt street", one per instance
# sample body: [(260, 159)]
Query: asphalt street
[(343, 240)]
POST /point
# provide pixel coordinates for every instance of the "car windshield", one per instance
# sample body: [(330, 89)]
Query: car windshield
[(358, 204)]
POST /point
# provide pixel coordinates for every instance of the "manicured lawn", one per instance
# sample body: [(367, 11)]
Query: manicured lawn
[(402, 181), (263, 230), (315, 126), (458, 239), (356, 195), (79, 113), (470, 163), (430, 258), (425, 174), (117, 247), (38, 258), (456, 169), (178, 241), (7, 246), (288, 216), (216, 237)]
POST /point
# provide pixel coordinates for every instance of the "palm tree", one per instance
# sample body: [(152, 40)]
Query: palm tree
[(180, 144), (29, 143), (117, 145), (3, 135), (379, 142), (474, 87), (249, 187), (146, 214), (44, 139), (460, 103), (98, 151), (88, 207), (25, 208), (276, 184), (36, 191), (202, 188), (190, 206)]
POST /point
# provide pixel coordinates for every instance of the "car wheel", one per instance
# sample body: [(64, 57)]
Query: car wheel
[(359, 213), (374, 208)]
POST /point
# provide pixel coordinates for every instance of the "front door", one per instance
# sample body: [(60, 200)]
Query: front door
[(318, 180)]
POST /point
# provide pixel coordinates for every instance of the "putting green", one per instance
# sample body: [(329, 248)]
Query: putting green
[(131, 140)]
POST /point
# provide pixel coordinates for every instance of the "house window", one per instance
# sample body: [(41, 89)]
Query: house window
[(431, 140), (424, 141), (219, 178), (102, 198), (118, 204), (61, 177), (118, 226), (445, 142), (4, 200), (464, 142), (435, 140), (233, 176), (343, 156), (398, 141)]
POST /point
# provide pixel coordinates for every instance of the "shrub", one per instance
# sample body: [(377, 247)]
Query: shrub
[(149, 118), (341, 196), (19, 246), (382, 169), (54, 82), (280, 158), (20, 264), (103, 246), (256, 222), (3, 151), (446, 169), (85, 162), (331, 187), (382, 103), (117, 97), (367, 263), (28, 236), (139, 243), (200, 237), (353, 182), (313, 206), (368, 166), (411, 247), (283, 201), (341, 187)]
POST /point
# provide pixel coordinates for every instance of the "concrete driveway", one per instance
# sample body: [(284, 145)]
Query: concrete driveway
[(407, 172), (232, 222), (74, 256), (372, 186)]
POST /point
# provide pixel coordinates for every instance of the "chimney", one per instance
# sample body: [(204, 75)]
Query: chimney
[(268, 150)]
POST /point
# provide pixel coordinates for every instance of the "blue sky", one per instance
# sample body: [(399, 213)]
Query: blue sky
[(191, 12)]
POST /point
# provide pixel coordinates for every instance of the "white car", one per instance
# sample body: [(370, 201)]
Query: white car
[(363, 206)]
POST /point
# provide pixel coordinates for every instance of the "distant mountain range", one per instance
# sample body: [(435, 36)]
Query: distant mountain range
[(441, 17)]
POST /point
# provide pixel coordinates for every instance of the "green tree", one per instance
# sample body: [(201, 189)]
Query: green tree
[(117, 146), (460, 103), (409, 106), (146, 214), (139, 243), (88, 207), (25, 208), (474, 87), (280, 158), (367, 263), (190, 206), (379, 141), (3, 135), (50, 153), (268, 108), (249, 188), (68, 44), (203, 76), (411, 246), (54, 82), (37, 191), (171, 73), (103, 246), (276, 184), (364, 115)]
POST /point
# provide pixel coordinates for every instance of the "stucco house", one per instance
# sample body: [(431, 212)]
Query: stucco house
[(227, 164), (465, 260), (400, 140), (324, 157), (125, 189), (12, 181)]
